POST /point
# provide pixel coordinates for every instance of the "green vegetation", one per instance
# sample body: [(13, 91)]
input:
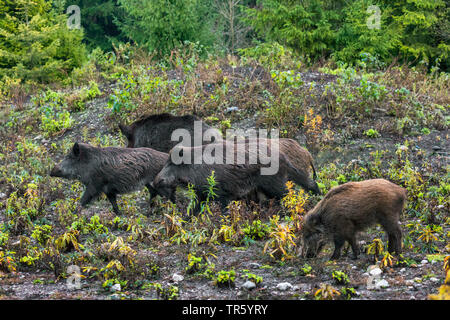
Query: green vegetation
[(367, 103)]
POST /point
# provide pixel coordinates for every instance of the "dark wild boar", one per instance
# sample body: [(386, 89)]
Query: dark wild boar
[(155, 131), (301, 159), (235, 181), (351, 208), (110, 170)]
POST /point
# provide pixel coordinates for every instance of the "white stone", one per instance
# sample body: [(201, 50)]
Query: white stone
[(433, 279), (249, 285), (381, 284), (177, 277), (424, 261), (116, 287), (375, 272), (283, 286)]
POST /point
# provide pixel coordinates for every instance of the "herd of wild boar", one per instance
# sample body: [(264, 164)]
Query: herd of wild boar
[(147, 161)]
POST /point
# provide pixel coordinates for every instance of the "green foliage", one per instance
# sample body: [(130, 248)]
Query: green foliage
[(304, 27), (162, 25), (98, 22), (36, 44), (78, 101), (271, 55), (256, 230), (411, 29), (248, 276), (42, 233), (372, 133), (340, 277), (225, 279)]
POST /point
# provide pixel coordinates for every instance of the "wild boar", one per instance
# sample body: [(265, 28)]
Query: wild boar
[(155, 131), (235, 179), (299, 157), (350, 208), (110, 170)]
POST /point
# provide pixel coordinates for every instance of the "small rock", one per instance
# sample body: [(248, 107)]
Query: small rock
[(177, 277), (424, 261), (283, 286), (231, 109), (381, 284), (402, 269), (433, 279), (115, 287), (375, 272), (254, 265), (2, 195), (249, 285)]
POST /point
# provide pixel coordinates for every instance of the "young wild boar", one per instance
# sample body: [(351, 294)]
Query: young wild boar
[(155, 131), (350, 208), (110, 170), (235, 180)]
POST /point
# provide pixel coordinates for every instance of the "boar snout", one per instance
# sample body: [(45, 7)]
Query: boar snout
[(56, 172), (315, 189), (158, 182)]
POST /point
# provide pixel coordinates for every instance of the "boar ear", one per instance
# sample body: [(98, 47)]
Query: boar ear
[(126, 130), (76, 149), (79, 150)]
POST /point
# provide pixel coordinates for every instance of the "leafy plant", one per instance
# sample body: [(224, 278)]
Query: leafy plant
[(225, 279), (326, 292), (340, 277), (281, 243), (251, 277)]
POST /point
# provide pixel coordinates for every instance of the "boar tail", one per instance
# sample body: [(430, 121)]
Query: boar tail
[(313, 169), (302, 179)]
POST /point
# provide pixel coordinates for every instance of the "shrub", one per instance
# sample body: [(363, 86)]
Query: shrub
[(36, 43)]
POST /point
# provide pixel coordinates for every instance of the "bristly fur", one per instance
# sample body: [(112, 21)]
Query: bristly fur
[(353, 207), (110, 170), (155, 131), (235, 181)]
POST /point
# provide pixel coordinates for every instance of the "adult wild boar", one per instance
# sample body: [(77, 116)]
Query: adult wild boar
[(350, 208), (155, 131), (236, 175), (300, 158), (110, 170)]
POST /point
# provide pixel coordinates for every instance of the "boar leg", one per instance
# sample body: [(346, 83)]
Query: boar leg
[(394, 233), (112, 197), (88, 195), (355, 248), (338, 243), (395, 240)]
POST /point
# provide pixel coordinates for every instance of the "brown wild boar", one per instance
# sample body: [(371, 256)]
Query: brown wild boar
[(110, 170), (235, 180), (350, 208), (155, 131)]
